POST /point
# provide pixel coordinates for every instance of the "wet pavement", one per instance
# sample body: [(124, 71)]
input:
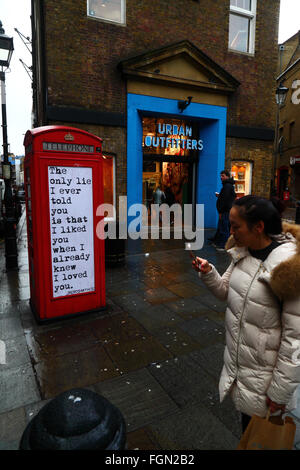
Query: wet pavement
[(155, 352)]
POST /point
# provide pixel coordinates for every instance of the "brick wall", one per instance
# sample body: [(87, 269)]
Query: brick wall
[(260, 154), (83, 53)]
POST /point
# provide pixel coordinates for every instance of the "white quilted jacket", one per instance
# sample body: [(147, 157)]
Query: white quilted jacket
[(262, 325)]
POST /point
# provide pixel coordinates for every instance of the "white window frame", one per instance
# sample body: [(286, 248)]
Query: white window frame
[(249, 15), (99, 18)]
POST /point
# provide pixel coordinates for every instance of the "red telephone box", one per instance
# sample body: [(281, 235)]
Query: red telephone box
[(63, 188)]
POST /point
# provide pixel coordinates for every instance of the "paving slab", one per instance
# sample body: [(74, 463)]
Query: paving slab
[(132, 302), (185, 289), (125, 287), (184, 380), (210, 359), (156, 316), (194, 428), (134, 354), (16, 353), (139, 397), (12, 425), (18, 387), (189, 308), (142, 439), (175, 340), (57, 341), (209, 301), (111, 328), (204, 330), (74, 370), (10, 327), (160, 295), (157, 281)]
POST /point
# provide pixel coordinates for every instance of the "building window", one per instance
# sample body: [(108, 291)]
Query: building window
[(107, 10), (242, 25)]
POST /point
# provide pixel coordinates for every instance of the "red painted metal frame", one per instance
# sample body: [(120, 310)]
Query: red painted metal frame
[(37, 161)]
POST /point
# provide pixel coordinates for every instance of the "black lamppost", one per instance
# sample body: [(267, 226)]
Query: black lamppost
[(11, 254), (281, 92), (280, 96)]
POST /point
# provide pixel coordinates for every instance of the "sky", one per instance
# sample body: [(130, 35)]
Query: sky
[(16, 14)]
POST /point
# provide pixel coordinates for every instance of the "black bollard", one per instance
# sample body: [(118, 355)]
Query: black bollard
[(78, 419), (297, 218)]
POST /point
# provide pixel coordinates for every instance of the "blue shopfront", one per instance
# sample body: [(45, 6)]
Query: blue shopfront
[(199, 128)]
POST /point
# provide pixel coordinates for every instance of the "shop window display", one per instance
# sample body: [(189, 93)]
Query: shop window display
[(242, 175), (169, 147)]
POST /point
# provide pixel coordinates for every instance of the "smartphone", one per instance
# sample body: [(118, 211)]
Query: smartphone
[(192, 255)]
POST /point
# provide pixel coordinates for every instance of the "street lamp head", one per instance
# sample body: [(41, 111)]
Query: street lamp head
[(281, 93), (6, 48)]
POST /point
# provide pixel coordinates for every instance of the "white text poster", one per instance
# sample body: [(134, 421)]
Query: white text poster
[(72, 227)]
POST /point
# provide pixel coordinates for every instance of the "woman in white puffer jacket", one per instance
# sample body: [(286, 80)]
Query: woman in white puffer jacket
[(262, 288)]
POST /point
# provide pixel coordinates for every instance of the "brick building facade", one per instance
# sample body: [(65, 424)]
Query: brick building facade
[(110, 76), (288, 135)]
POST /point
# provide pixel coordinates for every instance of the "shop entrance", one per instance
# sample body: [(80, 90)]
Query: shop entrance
[(170, 154), (174, 178), (205, 147)]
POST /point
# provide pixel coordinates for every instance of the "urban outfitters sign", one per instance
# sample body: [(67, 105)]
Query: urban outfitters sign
[(173, 137), (71, 225)]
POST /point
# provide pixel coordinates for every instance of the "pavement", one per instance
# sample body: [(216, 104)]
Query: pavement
[(156, 352), (289, 214)]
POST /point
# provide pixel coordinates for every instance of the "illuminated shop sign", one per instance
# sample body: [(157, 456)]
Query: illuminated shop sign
[(172, 137)]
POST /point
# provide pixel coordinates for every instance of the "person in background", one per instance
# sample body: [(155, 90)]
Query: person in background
[(224, 203), (170, 200), (262, 321), (159, 198)]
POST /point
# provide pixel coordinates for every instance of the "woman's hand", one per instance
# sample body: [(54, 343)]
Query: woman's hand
[(201, 265), (275, 406)]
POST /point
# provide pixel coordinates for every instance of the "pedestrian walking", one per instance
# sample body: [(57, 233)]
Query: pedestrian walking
[(159, 198), (262, 288), (224, 203)]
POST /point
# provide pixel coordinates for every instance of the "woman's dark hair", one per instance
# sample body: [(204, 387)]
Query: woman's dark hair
[(253, 209)]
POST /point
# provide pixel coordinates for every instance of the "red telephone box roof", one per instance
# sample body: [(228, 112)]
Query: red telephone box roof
[(59, 132)]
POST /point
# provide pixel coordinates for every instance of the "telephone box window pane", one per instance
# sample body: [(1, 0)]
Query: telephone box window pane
[(239, 33), (244, 4), (109, 10)]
